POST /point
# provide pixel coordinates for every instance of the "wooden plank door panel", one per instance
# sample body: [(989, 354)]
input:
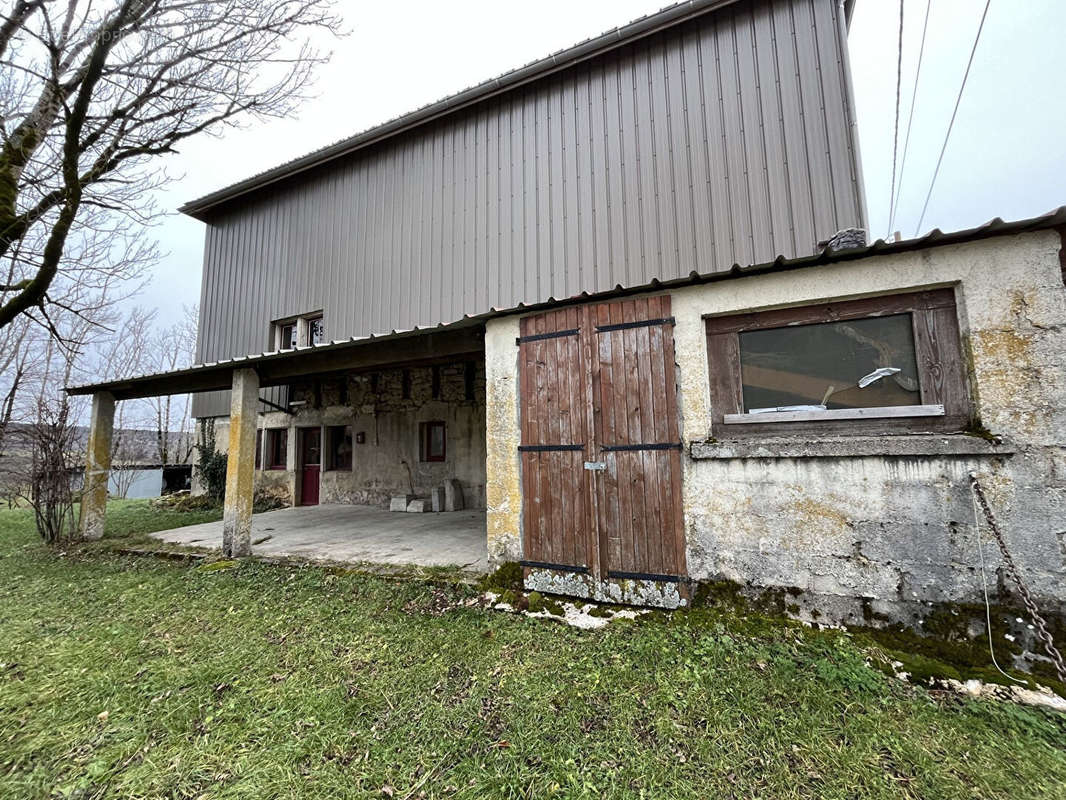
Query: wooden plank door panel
[(639, 440), (557, 527)]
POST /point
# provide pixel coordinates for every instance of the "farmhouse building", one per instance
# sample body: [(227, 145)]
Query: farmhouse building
[(603, 299)]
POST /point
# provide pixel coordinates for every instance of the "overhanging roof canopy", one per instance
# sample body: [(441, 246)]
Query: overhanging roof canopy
[(466, 336), (282, 367)]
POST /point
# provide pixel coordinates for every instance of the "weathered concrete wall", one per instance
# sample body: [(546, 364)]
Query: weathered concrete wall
[(387, 462), (864, 535), (856, 529), (503, 437)]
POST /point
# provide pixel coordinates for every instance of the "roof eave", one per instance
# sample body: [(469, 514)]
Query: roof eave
[(126, 388)]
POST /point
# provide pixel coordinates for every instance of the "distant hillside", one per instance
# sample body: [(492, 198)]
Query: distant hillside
[(135, 446)]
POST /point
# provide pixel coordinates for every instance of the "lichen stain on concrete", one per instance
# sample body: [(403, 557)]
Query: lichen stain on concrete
[(503, 487), (819, 514), (1007, 375)]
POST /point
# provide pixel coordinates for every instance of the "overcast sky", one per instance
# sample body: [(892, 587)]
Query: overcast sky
[(1005, 157)]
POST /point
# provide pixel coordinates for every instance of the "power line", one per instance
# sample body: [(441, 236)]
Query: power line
[(895, 134), (951, 124), (910, 121)]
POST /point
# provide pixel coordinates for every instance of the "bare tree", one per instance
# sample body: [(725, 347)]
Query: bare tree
[(127, 352), (91, 94), (174, 348), (15, 360)]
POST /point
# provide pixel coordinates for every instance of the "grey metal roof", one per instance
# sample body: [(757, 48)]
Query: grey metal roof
[(220, 371), (561, 60)]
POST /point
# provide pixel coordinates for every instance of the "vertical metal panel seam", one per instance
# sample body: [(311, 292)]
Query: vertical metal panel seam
[(803, 125), (757, 89), (724, 141), (670, 44), (689, 168), (787, 188)]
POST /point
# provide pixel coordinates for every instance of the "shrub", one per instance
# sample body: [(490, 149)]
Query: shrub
[(52, 440), (210, 464), (269, 498)]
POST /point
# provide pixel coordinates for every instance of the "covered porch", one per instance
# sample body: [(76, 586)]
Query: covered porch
[(332, 532), (356, 534)]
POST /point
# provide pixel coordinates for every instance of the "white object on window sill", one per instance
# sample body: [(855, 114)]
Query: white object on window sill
[(886, 412), (876, 375), (775, 409)]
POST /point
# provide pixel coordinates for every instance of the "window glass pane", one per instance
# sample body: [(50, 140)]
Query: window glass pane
[(288, 336), (860, 363), (436, 440), (432, 444), (277, 439), (316, 330), (340, 447)]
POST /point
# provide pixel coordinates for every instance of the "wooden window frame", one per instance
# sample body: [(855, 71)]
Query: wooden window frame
[(938, 353), (425, 436), (272, 435), (280, 328)]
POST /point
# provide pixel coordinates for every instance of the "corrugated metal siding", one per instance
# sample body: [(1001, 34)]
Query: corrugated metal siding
[(727, 139)]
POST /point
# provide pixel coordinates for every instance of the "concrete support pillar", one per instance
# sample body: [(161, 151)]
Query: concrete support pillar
[(240, 465), (97, 467)]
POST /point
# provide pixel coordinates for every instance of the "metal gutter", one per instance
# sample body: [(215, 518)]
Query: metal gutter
[(536, 70), (935, 238)]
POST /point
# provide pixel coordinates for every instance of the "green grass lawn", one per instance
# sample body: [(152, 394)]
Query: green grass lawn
[(135, 678)]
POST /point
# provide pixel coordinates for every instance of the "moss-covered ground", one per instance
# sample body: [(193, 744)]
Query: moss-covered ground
[(133, 677)]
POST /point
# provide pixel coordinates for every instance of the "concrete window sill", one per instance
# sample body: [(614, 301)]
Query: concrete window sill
[(902, 446)]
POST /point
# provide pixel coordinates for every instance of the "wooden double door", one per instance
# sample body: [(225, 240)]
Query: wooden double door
[(600, 452)]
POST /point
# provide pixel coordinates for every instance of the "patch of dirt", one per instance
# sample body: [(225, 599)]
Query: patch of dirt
[(437, 602)]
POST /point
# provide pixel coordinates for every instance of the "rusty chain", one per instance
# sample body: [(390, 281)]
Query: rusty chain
[(1012, 568)]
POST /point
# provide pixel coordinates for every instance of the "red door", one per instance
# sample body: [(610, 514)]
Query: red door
[(310, 465)]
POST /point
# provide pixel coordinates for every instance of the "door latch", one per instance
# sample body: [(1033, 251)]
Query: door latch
[(596, 466)]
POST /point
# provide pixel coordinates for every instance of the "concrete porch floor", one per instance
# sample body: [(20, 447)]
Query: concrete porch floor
[(357, 534)]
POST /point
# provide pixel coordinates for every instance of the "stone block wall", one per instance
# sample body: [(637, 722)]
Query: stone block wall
[(387, 409)]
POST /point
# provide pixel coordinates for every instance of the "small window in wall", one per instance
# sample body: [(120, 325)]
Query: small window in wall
[(339, 444), (405, 384), (316, 330), (259, 449), (277, 441), (433, 441), (885, 363)]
